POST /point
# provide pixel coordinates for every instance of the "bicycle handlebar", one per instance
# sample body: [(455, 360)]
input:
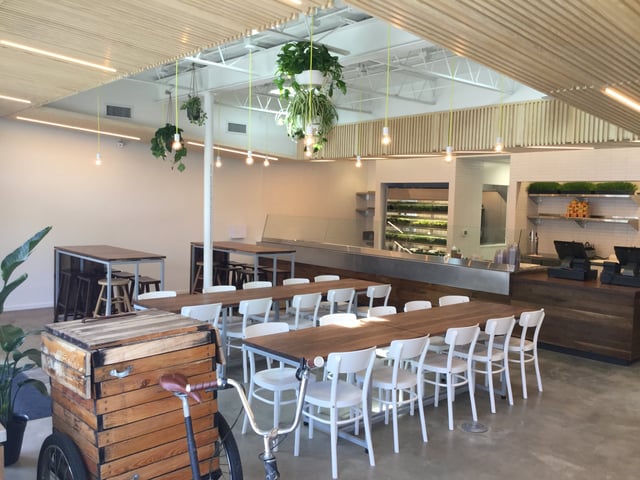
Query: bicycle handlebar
[(179, 384)]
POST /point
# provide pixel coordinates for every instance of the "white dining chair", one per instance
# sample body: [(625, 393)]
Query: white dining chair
[(304, 308), (338, 394), (268, 385), (397, 386), (413, 305), (207, 313), (256, 308), (375, 293)]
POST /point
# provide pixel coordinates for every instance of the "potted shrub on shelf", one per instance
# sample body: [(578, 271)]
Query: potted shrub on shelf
[(621, 188), (161, 145), (577, 187), (16, 360), (543, 187), (297, 57)]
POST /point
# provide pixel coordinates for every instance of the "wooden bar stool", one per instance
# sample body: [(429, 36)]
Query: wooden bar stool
[(119, 295), (144, 285), (85, 295), (68, 279)]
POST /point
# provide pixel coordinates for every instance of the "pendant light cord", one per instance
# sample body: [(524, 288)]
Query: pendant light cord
[(386, 102), (98, 114), (453, 72), (310, 68), (250, 95), (501, 105), (177, 97)]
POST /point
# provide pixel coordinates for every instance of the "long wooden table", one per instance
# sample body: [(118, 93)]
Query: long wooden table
[(108, 256), (233, 298), (309, 343)]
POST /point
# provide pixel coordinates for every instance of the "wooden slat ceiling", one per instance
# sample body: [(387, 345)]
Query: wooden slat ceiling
[(569, 49), (128, 35)]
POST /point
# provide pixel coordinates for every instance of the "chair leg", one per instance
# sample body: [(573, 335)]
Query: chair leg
[(489, 375), (450, 395), (436, 396), (394, 406), (507, 379), (367, 434), (537, 366), (423, 423), (334, 442), (524, 375), (472, 395)]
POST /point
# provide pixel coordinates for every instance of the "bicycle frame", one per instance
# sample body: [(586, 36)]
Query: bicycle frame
[(179, 386)]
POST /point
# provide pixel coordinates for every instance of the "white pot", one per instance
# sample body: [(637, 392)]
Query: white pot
[(315, 78)]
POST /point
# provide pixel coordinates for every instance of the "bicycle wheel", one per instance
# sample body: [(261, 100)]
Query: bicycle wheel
[(60, 459), (227, 452)]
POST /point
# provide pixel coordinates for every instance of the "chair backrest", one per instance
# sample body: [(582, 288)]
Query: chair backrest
[(347, 363), (306, 302), (257, 284), (257, 306), (341, 295), (452, 299), (378, 291), (338, 319), (462, 339), (259, 330), (158, 294), (295, 281), (326, 278), (417, 305), (407, 348), (499, 327), (218, 288), (382, 310), (532, 319), (206, 313)]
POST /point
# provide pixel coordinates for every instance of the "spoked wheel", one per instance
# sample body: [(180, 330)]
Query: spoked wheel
[(227, 452), (60, 459)]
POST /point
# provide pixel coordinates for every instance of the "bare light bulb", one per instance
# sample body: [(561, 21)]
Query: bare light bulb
[(266, 162), (177, 144), (218, 161), (499, 145), (449, 156), (358, 161), (386, 139), (249, 159), (308, 151), (309, 138), (98, 159)]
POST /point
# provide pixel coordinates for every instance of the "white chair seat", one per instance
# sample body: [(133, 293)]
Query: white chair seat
[(276, 378), (321, 392), (438, 363), (437, 344), (384, 378)]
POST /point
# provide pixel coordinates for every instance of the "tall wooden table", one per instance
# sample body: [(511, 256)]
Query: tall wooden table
[(252, 250), (108, 256)]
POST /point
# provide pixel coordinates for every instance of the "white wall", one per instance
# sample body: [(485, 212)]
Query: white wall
[(134, 200)]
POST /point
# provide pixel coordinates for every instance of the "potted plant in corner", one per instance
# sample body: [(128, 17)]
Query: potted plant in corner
[(161, 145), (16, 361)]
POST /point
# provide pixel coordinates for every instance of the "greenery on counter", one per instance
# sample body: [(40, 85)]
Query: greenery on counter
[(616, 187), (544, 187), (577, 187), (413, 238), (419, 222), (417, 207)]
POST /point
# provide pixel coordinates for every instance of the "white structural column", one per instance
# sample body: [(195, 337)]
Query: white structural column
[(208, 191)]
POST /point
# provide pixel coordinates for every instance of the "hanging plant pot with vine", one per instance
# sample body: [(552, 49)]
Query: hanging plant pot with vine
[(161, 146), (193, 104)]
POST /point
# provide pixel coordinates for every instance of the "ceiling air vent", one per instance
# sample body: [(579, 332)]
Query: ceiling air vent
[(236, 127), (116, 111)]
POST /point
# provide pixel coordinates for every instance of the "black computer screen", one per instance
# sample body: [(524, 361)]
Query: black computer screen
[(627, 255), (570, 249)]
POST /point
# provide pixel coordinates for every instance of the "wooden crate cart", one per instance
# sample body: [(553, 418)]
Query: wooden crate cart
[(104, 382)]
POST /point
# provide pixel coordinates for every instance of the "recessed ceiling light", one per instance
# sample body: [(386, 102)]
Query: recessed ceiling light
[(57, 56), (14, 99), (72, 127)]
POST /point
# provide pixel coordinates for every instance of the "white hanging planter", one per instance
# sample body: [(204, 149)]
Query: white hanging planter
[(315, 78)]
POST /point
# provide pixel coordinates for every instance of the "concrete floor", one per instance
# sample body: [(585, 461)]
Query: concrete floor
[(585, 424)]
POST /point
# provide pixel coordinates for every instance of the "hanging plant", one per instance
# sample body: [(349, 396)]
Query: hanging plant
[(295, 57), (161, 146), (320, 111), (193, 104)]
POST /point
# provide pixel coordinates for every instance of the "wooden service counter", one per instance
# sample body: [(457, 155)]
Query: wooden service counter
[(584, 317)]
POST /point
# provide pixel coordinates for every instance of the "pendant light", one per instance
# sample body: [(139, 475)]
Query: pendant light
[(249, 159), (98, 156), (449, 150), (177, 142), (358, 125), (218, 161), (386, 139)]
